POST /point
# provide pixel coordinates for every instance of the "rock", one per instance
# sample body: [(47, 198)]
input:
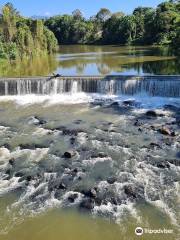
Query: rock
[(129, 102), (99, 155), (115, 104), (151, 113), (41, 121), (6, 145), (19, 174), (12, 161), (70, 154), (8, 171), (72, 140), (175, 162), (114, 201), (163, 165), (87, 204), (71, 132), (31, 146), (153, 145), (72, 197), (111, 180), (166, 131), (129, 191), (36, 120), (90, 193), (61, 186), (29, 178), (138, 123)]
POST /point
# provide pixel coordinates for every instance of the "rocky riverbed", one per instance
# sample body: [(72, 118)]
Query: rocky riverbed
[(109, 158)]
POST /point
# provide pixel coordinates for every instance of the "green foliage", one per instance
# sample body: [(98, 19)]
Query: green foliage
[(22, 37), (144, 26)]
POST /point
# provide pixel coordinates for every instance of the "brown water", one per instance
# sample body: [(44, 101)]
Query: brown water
[(97, 60), (31, 211)]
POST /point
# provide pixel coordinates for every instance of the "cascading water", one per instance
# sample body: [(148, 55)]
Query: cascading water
[(156, 86), (123, 159)]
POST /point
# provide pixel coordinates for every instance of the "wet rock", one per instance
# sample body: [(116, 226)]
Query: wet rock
[(175, 162), (40, 120), (129, 102), (32, 146), (37, 120), (72, 197), (151, 113), (166, 131), (56, 184), (163, 165), (12, 161), (111, 180), (71, 132), (138, 123), (114, 201), (99, 155), (134, 191), (87, 204), (70, 154), (130, 191), (6, 145), (61, 186), (115, 104), (19, 174), (72, 140), (8, 171), (154, 145), (29, 178), (92, 193)]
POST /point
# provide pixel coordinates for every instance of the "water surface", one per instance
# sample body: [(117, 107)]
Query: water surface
[(120, 153), (97, 60)]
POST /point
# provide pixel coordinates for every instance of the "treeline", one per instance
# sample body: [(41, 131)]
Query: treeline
[(144, 26), (23, 37)]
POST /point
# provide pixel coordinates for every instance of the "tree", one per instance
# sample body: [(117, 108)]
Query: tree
[(103, 15), (77, 14)]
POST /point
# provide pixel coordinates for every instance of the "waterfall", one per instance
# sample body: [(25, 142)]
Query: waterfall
[(152, 86), (74, 88)]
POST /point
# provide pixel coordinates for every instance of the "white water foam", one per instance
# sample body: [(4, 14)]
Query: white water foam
[(77, 98)]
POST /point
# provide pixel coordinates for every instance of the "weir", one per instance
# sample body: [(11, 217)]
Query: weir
[(164, 86)]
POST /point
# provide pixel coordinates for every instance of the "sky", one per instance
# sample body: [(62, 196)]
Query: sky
[(88, 7)]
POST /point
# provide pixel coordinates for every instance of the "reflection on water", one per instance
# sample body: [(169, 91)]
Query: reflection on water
[(91, 60), (95, 60), (41, 66)]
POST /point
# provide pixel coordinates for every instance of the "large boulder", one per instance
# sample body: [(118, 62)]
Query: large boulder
[(151, 113), (70, 154)]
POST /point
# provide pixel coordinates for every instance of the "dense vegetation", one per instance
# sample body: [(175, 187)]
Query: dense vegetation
[(144, 26), (23, 37), (26, 37)]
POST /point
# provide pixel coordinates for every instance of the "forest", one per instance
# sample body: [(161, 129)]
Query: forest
[(23, 37), (146, 26), (20, 36)]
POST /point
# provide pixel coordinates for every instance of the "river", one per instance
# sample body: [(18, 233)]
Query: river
[(89, 158), (97, 60)]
